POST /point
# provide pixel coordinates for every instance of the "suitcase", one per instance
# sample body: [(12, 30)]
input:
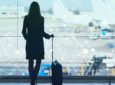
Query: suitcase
[(56, 71)]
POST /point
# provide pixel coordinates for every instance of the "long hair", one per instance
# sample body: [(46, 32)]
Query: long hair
[(34, 12)]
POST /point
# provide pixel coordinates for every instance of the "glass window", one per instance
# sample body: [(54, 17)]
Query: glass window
[(84, 37)]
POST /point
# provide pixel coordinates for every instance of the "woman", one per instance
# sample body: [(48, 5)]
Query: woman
[(33, 33)]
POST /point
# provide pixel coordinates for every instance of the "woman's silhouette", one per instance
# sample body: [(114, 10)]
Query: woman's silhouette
[(33, 33)]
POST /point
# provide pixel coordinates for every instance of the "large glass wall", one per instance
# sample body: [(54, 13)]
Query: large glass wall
[(83, 42), (8, 37)]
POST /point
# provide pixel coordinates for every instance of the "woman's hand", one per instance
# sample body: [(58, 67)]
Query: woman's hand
[(52, 35)]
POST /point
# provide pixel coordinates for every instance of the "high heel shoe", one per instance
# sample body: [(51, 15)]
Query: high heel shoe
[(32, 82), (36, 82)]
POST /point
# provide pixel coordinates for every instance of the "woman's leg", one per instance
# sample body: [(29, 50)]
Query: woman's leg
[(31, 68), (37, 68)]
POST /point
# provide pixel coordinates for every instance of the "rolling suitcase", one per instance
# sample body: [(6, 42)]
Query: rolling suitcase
[(56, 71)]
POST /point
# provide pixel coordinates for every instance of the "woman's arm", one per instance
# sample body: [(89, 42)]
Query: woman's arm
[(24, 30), (47, 36)]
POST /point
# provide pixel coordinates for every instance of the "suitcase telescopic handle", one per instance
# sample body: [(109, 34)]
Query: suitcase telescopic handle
[(52, 50)]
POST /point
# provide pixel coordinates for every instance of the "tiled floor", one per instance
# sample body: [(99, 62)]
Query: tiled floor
[(51, 84)]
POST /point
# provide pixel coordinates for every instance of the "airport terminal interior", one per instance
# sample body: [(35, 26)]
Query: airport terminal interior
[(84, 41)]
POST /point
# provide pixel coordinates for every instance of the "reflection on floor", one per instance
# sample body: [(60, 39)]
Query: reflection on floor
[(63, 84)]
